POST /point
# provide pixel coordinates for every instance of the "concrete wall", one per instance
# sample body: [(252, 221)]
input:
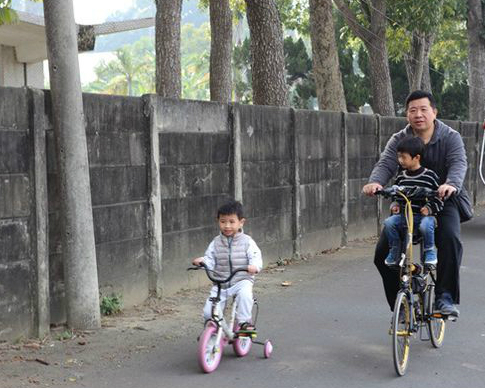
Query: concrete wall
[(266, 142), (116, 129), (159, 169)]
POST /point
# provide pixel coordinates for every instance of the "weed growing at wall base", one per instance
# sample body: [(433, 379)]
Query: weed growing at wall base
[(111, 304)]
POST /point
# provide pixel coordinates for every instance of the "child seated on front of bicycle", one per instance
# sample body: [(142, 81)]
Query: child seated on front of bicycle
[(410, 151), (230, 250)]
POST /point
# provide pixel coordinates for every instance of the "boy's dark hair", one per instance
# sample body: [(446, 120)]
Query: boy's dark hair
[(411, 145), (418, 94), (231, 207)]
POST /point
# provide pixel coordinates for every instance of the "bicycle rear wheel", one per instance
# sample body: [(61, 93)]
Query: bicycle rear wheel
[(436, 325), (401, 323), (210, 350)]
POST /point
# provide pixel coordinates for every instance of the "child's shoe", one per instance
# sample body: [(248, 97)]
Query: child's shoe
[(391, 258), (430, 257), (246, 327)]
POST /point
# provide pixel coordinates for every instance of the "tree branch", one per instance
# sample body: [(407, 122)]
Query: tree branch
[(352, 21)]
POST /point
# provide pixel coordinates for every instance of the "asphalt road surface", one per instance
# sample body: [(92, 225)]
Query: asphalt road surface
[(329, 329)]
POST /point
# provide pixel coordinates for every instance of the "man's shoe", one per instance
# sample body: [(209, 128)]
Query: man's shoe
[(444, 305)]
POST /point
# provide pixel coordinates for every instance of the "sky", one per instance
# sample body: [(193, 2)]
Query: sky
[(83, 9)]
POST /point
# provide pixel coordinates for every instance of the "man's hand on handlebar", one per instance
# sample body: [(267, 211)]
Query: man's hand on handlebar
[(445, 190), (371, 188)]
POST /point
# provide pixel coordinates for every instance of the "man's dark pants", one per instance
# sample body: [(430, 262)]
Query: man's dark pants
[(450, 250)]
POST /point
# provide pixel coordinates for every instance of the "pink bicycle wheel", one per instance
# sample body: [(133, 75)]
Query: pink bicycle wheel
[(210, 350), (242, 346)]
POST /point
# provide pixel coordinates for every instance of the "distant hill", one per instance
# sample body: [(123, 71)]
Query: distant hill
[(143, 9)]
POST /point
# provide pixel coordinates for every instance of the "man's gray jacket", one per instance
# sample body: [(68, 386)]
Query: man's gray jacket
[(445, 155)]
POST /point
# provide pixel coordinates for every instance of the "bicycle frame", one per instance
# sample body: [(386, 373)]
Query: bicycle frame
[(415, 295), (217, 317)]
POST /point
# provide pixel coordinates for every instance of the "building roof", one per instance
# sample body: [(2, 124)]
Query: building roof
[(28, 34)]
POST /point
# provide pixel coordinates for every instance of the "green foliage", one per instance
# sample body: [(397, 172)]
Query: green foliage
[(298, 66), (7, 14), (294, 15), (65, 335), (111, 305), (242, 77), (131, 73), (195, 52), (353, 66)]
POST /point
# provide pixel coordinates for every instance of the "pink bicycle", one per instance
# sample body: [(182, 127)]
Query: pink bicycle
[(218, 332)]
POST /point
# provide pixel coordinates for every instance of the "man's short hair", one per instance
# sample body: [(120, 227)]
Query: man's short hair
[(231, 207), (418, 94), (411, 145)]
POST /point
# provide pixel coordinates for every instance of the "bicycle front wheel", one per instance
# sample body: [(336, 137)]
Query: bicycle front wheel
[(210, 350), (436, 325), (401, 332)]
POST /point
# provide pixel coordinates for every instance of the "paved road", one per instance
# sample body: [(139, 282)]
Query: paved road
[(329, 330)]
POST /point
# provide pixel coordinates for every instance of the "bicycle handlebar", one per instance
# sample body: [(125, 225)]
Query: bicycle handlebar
[(209, 271), (410, 192)]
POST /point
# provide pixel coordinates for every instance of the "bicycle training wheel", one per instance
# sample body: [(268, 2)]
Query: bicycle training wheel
[(401, 322), (436, 325), (210, 350)]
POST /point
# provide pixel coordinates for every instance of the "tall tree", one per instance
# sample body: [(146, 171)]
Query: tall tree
[(267, 55), (80, 272), (221, 50), (476, 59), (373, 35), (167, 48), (326, 69)]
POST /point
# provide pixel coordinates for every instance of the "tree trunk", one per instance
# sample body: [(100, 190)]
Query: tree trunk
[(374, 39), (426, 79), (221, 51), (476, 59), (326, 69), (414, 61), (267, 56), (167, 47), (78, 247)]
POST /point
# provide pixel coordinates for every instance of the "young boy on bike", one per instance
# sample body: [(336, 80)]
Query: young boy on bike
[(231, 250), (410, 152)]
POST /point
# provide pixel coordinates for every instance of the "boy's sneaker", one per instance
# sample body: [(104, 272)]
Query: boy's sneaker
[(246, 327), (430, 257), (390, 260), (392, 257)]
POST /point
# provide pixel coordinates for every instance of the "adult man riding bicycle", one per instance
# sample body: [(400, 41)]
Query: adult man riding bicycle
[(445, 154)]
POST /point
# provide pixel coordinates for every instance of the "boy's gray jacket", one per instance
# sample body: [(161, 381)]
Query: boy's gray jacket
[(230, 254), (445, 155)]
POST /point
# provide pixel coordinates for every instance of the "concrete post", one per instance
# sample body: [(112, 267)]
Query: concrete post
[(155, 284), (78, 247), (40, 243), (296, 204), (344, 194), (236, 154)]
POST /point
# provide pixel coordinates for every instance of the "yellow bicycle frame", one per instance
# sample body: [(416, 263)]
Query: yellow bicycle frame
[(408, 214)]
